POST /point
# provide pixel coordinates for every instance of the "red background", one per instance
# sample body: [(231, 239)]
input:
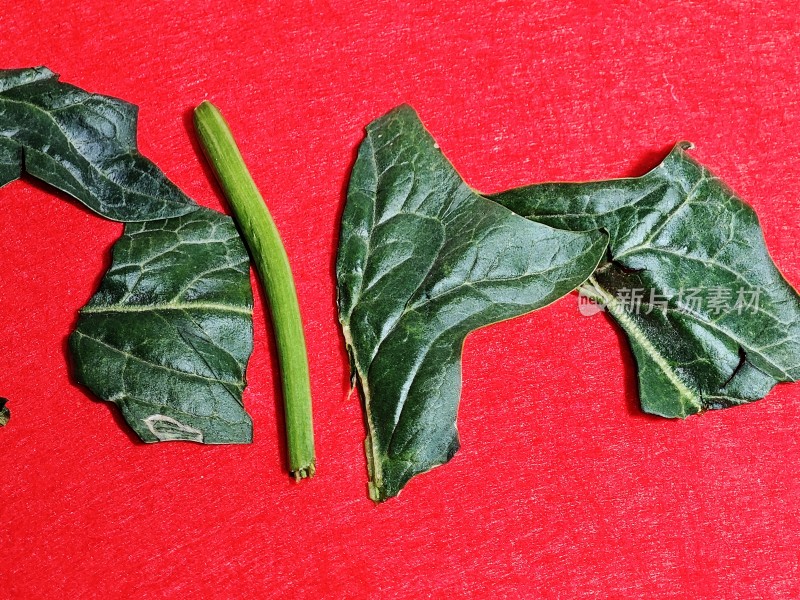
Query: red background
[(563, 488)]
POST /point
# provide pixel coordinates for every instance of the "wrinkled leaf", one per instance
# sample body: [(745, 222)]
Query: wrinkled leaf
[(424, 260), (168, 334), (5, 414), (711, 321), (83, 144)]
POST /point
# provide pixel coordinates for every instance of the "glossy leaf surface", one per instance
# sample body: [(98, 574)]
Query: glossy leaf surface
[(424, 260), (168, 334), (83, 144), (711, 321)]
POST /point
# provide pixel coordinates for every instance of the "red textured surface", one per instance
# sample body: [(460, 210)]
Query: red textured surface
[(563, 488)]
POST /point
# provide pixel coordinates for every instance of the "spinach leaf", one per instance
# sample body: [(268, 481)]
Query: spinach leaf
[(168, 334), (711, 321), (5, 414), (84, 145), (424, 260), (10, 162)]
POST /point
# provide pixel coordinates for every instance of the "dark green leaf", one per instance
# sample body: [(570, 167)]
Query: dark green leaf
[(83, 144), (10, 162), (423, 261), (5, 414), (717, 325), (168, 335)]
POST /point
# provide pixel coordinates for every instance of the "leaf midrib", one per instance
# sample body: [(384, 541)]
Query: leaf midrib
[(640, 337), (238, 385), (134, 308)]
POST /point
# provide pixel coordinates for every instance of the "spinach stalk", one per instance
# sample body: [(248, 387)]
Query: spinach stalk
[(272, 264)]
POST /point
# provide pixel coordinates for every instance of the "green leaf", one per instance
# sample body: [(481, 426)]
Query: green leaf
[(168, 334), (717, 324), (83, 144), (10, 162), (5, 414), (424, 260)]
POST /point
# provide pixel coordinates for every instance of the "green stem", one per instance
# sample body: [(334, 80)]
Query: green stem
[(269, 256)]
